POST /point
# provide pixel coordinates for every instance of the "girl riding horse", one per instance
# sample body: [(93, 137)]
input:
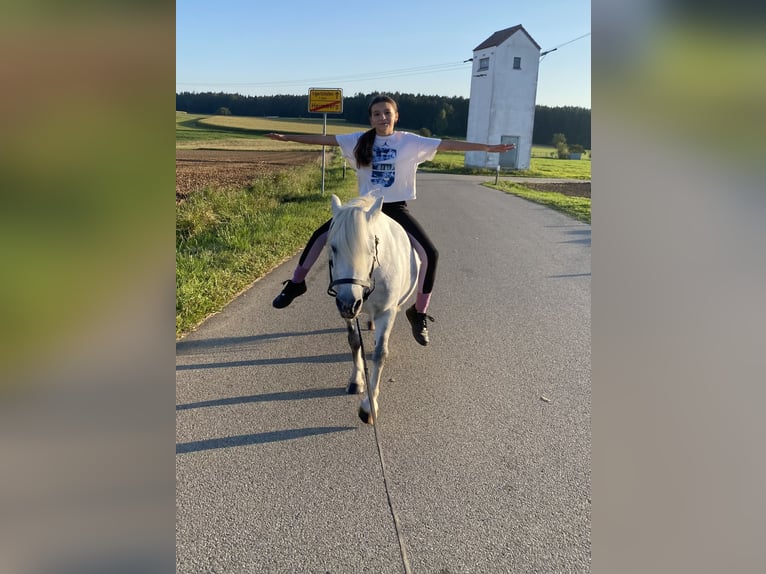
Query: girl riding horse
[(385, 160)]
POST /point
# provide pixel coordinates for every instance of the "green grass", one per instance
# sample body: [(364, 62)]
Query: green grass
[(227, 238), (196, 131), (452, 162), (558, 168), (576, 207), (190, 131), (282, 125)]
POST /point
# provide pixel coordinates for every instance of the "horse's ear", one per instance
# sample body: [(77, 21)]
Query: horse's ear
[(375, 209), (335, 204)]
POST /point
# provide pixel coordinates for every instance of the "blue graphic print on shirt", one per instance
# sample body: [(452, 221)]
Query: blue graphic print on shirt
[(383, 170)]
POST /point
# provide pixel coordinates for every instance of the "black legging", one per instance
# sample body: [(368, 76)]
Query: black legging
[(396, 210)]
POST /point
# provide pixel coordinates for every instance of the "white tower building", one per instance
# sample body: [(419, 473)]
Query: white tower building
[(501, 108)]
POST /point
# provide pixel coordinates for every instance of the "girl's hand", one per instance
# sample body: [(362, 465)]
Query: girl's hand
[(500, 148), (278, 137)]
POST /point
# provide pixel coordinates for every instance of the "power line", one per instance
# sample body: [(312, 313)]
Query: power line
[(546, 52), (430, 69)]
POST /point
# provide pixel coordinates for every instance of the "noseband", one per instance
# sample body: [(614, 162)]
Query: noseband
[(368, 284)]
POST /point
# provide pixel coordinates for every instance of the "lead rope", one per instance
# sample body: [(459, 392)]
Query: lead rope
[(397, 526)]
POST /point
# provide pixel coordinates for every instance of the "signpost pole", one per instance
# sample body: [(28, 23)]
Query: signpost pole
[(324, 133)]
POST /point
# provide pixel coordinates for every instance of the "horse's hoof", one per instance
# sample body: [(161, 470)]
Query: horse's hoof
[(353, 389), (370, 326), (365, 416)]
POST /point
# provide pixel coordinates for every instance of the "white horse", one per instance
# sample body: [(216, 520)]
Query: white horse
[(373, 268)]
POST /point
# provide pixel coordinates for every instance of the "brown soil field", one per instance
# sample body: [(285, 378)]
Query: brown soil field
[(197, 169)]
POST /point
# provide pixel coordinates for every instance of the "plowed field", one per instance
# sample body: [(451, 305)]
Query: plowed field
[(197, 169)]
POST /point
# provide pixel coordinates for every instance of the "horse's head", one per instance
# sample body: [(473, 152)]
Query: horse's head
[(353, 250)]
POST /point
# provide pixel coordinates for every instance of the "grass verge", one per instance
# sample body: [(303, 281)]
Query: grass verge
[(453, 162), (227, 238), (576, 207)]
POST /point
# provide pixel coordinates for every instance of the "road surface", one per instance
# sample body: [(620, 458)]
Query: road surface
[(485, 433)]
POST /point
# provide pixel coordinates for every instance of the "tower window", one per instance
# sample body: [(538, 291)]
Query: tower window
[(517, 63), (483, 64)]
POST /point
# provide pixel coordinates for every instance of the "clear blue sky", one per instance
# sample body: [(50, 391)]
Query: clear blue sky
[(270, 47)]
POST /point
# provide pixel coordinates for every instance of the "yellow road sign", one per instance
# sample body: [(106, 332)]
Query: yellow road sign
[(326, 101)]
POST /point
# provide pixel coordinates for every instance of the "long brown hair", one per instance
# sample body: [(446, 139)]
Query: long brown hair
[(363, 149)]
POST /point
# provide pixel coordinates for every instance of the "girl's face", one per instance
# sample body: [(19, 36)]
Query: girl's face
[(383, 117)]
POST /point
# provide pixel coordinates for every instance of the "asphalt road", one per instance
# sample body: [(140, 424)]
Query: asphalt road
[(485, 433)]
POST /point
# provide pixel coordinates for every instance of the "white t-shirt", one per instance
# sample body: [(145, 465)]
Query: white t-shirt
[(395, 161)]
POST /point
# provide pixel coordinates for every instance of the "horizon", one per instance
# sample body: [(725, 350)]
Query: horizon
[(352, 95)]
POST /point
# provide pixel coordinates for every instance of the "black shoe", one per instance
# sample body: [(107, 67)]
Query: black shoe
[(290, 292), (419, 322)]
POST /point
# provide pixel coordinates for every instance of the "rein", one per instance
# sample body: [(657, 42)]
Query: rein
[(397, 524), (368, 284)]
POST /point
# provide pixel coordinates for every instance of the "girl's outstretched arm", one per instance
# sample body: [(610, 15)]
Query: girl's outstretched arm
[(312, 139), (457, 145)]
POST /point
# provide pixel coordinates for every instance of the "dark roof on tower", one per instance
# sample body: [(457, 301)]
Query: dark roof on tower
[(502, 35)]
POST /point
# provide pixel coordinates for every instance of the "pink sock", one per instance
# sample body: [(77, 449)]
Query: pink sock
[(299, 274), (422, 302)]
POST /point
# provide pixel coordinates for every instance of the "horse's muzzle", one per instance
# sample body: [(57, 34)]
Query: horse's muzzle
[(348, 309)]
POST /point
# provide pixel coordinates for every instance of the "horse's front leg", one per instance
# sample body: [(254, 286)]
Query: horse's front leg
[(356, 382), (384, 325)]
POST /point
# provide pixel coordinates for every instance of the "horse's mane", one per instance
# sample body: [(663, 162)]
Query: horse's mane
[(363, 201)]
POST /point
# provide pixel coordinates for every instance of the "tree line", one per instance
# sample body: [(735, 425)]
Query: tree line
[(440, 116)]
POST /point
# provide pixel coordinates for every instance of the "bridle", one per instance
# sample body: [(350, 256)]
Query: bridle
[(367, 284)]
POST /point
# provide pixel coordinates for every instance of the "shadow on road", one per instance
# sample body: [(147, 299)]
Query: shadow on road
[(267, 397), (258, 438), (336, 358), (584, 233), (569, 275), (189, 347)]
